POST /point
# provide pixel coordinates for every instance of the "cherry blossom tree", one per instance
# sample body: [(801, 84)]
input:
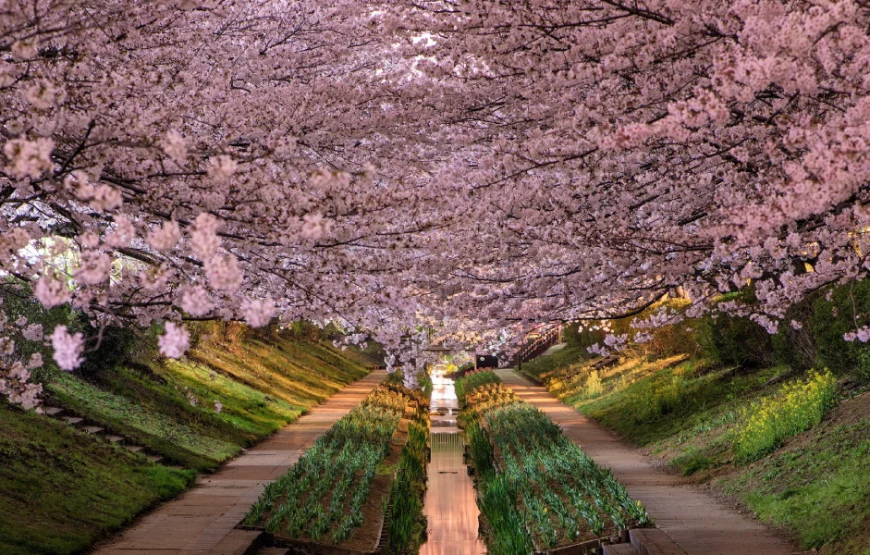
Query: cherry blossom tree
[(471, 163), (627, 149)]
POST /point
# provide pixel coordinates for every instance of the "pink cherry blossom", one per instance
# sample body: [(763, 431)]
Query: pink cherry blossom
[(174, 146), (28, 158), (221, 167), (51, 292), (175, 340), (165, 236), (258, 313), (15, 385), (33, 332), (314, 226), (106, 198), (68, 348), (196, 301), (95, 267), (203, 235), (223, 272), (578, 163)]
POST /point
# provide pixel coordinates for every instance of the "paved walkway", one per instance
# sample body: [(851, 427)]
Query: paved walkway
[(698, 522), (201, 521), (555, 348), (450, 506)]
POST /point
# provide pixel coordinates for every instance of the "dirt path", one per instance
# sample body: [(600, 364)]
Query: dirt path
[(201, 521), (450, 506), (698, 522)]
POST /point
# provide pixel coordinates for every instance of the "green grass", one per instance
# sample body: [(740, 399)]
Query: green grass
[(537, 368), (193, 441), (60, 491), (818, 488), (169, 407), (651, 402), (692, 416), (299, 372)]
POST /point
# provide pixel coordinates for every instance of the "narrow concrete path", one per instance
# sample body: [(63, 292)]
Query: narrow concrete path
[(202, 520), (698, 522), (555, 348), (450, 505)]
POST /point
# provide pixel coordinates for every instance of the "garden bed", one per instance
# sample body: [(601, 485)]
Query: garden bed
[(335, 497), (538, 490)]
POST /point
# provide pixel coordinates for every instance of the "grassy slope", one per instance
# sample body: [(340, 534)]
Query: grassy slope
[(60, 491), (261, 384), (683, 412)]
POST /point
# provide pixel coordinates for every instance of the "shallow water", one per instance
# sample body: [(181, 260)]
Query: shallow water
[(450, 506)]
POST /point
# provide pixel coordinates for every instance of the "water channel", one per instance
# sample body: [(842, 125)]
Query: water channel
[(450, 505)]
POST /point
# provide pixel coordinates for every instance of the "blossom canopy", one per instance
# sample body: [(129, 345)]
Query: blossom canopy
[(387, 163)]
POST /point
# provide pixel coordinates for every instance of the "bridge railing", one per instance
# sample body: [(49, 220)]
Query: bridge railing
[(549, 337)]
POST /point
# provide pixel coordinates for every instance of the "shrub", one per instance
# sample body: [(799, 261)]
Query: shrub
[(692, 460), (796, 347), (407, 524), (581, 339), (796, 407), (675, 339), (665, 341), (848, 308), (116, 346), (734, 340)]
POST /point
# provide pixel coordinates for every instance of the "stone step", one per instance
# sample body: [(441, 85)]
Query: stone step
[(134, 448), (54, 412), (117, 440), (620, 549), (93, 430), (652, 541), (73, 420), (156, 459)]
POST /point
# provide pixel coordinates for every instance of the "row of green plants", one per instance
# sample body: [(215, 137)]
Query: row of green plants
[(407, 523), (504, 523), (537, 488), (322, 496), (472, 380)]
